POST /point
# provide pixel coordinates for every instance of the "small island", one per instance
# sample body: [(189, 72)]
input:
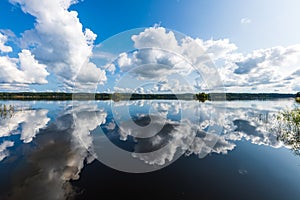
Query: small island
[(298, 97)]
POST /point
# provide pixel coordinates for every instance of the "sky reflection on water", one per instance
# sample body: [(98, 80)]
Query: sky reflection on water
[(45, 146)]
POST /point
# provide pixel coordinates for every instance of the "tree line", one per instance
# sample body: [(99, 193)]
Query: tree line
[(136, 96)]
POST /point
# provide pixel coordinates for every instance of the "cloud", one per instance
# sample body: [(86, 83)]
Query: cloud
[(110, 68), (33, 70), (62, 148), (123, 89), (161, 50), (218, 49), (4, 48), (20, 71), (29, 122), (176, 137), (69, 140), (192, 49), (91, 75), (267, 58), (162, 53), (153, 63), (123, 60), (156, 37), (59, 44), (52, 164), (23, 70), (3, 149), (172, 85), (59, 41), (245, 21), (201, 145), (170, 136), (254, 122), (262, 68), (296, 73)]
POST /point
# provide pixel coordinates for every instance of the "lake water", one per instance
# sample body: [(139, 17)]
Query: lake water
[(146, 150)]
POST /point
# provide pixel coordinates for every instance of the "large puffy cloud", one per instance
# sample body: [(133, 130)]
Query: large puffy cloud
[(23, 70), (218, 48), (195, 50), (60, 42), (20, 71), (162, 53), (159, 49), (272, 68), (33, 71), (156, 37), (159, 37), (267, 58), (153, 64)]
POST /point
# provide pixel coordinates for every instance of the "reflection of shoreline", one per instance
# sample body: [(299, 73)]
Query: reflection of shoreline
[(28, 96)]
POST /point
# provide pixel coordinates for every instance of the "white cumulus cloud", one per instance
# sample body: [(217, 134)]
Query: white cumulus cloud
[(23, 70), (273, 68), (60, 41), (162, 53)]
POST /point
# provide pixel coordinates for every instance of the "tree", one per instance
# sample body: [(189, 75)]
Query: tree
[(116, 96), (298, 97), (202, 97)]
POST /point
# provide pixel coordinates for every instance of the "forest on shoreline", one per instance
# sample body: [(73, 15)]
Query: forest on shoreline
[(135, 96)]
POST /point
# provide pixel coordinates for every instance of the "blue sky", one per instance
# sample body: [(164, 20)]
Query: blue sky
[(272, 22), (257, 41)]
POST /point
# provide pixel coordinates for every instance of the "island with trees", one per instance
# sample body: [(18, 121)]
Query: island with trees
[(298, 97)]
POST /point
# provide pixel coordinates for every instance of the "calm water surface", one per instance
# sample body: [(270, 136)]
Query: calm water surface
[(51, 150)]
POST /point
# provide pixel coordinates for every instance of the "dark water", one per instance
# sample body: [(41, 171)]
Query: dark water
[(190, 150)]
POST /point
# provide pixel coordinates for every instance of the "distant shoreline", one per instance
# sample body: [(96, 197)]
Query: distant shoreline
[(60, 96)]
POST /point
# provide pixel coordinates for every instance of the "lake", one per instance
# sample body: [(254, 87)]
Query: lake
[(146, 149)]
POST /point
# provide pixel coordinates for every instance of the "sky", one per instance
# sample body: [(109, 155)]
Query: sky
[(108, 46)]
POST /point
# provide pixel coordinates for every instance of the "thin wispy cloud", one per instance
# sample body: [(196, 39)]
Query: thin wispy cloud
[(245, 20)]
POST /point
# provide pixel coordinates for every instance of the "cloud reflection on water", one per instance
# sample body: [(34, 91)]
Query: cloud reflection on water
[(63, 145)]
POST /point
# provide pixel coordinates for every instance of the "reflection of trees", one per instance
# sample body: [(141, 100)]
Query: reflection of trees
[(6, 111), (288, 129)]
